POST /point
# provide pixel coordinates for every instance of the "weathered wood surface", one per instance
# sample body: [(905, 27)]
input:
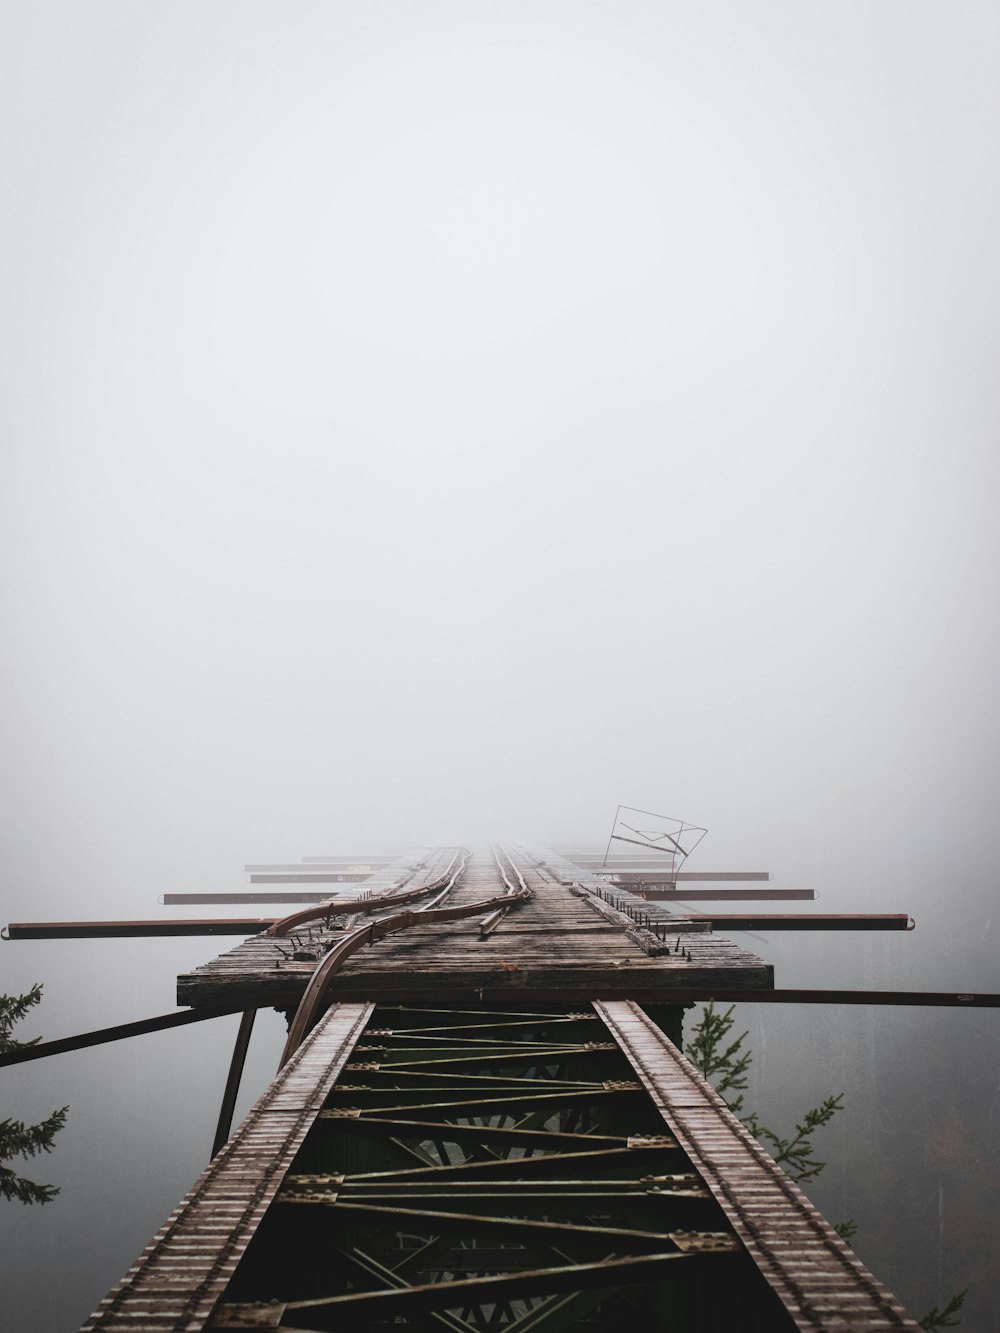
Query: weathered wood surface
[(818, 1278), (558, 944), (369, 1076), (177, 1280)]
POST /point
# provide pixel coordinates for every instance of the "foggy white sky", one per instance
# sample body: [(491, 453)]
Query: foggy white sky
[(423, 420), (430, 420)]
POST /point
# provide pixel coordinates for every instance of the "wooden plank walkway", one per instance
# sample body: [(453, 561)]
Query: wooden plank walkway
[(397, 1132), (177, 1280), (560, 945), (722, 1238), (818, 1278)]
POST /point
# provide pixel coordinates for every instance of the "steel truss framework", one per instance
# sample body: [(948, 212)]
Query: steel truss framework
[(502, 1170), (482, 1170), (452, 1144)]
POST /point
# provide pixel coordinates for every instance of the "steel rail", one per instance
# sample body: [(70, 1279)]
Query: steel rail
[(388, 898), (358, 938), (315, 992), (496, 849), (489, 923)]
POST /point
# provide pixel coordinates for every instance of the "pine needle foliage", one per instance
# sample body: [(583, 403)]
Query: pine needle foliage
[(795, 1153), (726, 1067), (935, 1318), (12, 1009), (18, 1139)]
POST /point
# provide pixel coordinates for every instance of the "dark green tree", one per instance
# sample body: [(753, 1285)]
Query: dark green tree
[(726, 1066), (935, 1318), (16, 1138)]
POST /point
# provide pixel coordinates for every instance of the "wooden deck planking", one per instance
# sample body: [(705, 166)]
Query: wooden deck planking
[(559, 938), (818, 1278), (175, 1283)]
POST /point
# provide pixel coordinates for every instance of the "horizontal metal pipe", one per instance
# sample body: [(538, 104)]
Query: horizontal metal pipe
[(666, 872), (55, 930), (659, 894), (314, 877), (372, 858), (95, 930), (930, 999), (348, 991), (265, 896), (799, 920), (344, 865)]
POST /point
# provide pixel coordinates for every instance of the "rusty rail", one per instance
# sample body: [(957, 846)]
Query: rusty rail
[(377, 929), (319, 983), (388, 898)]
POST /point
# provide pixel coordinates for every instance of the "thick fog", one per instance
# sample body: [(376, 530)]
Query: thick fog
[(430, 421)]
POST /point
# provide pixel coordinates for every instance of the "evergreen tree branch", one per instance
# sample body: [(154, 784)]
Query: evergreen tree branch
[(727, 1066), (12, 1009), (935, 1318), (18, 1139), (13, 1186)]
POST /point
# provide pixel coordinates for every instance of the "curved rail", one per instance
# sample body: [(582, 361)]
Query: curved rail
[(496, 849), (387, 898), (310, 1006), (490, 923)]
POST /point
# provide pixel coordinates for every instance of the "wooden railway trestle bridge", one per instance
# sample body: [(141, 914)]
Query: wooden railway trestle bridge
[(483, 1119)]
